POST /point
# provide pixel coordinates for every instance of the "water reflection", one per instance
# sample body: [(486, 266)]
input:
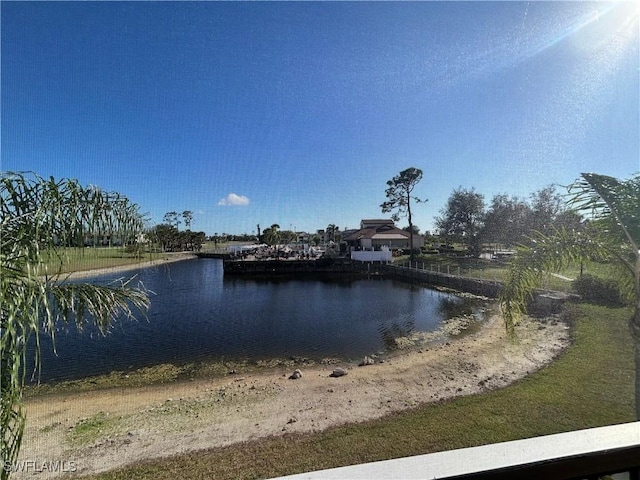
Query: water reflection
[(452, 307)]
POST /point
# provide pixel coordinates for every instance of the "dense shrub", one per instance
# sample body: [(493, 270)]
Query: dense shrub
[(597, 290)]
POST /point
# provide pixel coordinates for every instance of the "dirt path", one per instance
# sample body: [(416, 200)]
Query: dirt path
[(102, 430)]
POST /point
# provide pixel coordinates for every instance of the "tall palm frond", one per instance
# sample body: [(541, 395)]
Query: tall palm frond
[(612, 235), (38, 216)]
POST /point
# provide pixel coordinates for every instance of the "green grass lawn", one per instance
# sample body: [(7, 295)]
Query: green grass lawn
[(590, 385), (69, 259), (497, 271)]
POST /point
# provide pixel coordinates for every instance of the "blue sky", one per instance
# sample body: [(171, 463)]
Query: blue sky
[(298, 113)]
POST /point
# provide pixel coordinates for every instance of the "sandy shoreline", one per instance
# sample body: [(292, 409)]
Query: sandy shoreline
[(140, 423)]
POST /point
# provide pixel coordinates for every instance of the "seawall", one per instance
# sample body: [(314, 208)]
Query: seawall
[(544, 302), (296, 267)]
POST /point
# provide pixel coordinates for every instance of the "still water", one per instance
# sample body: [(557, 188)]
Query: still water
[(197, 314)]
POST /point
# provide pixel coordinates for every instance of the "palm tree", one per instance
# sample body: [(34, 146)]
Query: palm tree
[(613, 235), (272, 234), (332, 229), (38, 217)]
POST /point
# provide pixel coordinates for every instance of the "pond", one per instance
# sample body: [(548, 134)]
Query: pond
[(197, 314)]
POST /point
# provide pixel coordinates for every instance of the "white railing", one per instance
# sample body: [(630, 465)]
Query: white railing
[(455, 271), (574, 455)]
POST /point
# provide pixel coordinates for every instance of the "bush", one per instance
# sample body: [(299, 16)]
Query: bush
[(598, 290)]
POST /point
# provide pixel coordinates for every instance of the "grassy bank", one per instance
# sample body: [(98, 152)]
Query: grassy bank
[(491, 270), (590, 385), (68, 259)]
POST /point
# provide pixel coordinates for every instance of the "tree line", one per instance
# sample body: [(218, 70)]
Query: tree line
[(169, 238), (273, 235), (507, 222)]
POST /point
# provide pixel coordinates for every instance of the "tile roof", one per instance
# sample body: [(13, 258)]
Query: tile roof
[(383, 232)]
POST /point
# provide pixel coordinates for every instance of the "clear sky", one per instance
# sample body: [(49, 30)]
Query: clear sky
[(298, 113)]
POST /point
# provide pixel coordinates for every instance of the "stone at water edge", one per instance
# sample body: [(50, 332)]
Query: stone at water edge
[(367, 361), (338, 372), (296, 374)]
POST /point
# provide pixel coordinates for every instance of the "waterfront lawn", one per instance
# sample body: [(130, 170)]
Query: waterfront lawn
[(71, 259), (590, 385), (492, 270)]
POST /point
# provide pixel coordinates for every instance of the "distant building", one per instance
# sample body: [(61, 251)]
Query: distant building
[(374, 234)]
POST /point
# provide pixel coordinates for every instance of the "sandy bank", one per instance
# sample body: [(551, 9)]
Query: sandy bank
[(155, 421)]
